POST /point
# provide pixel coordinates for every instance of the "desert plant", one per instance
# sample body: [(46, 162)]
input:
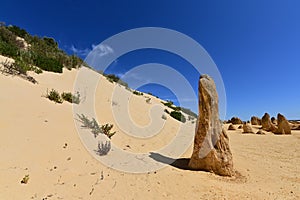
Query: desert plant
[(137, 93), (53, 95), (178, 115), (105, 129), (188, 112), (103, 148), (95, 128), (113, 78), (168, 103), (72, 98)]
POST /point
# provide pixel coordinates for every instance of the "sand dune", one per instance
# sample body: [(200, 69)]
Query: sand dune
[(40, 138)]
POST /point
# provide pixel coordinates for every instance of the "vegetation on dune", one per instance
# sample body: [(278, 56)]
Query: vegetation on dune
[(53, 95), (178, 115), (96, 129), (42, 52), (72, 98), (34, 53), (137, 93), (176, 111), (113, 78)]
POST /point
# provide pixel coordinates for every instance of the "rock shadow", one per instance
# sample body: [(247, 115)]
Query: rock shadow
[(180, 163)]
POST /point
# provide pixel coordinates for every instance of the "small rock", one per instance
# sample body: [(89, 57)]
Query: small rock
[(25, 179), (247, 128)]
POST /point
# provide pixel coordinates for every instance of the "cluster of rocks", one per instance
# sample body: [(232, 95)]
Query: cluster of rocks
[(279, 126), (255, 120), (211, 150), (235, 120)]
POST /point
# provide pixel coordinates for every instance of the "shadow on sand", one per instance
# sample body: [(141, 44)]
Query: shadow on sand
[(181, 163)]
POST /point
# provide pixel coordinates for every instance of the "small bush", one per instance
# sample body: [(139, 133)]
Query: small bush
[(168, 104), (171, 105), (178, 115), (53, 95), (188, 112), (105, 129), (113, 78), (68, 96), (138, 93), (95, 128)]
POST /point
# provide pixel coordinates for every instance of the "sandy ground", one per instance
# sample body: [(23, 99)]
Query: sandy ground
[(39, 138)]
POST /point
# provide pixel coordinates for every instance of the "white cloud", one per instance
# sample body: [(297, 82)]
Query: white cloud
[(102, 49), (99, 50), (80, 52)]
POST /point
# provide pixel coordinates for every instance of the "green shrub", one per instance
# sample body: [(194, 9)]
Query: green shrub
[(113, 78), (95, 128), (137, 93), (7, 49), (53, 95), (68, 96), (43, 52), (105, 129), (47, 64), (17, 31), (168, 104), (188, 112), (178, 115)]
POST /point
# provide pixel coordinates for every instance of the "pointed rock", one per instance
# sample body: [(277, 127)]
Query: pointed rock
[(211, 145), (266, 123), (283, 125), (255, 120)]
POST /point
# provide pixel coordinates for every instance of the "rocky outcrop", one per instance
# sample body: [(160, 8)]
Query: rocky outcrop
[(283, 125), (236, 120), (255, 120), (231, 127), (247, 128), (266, 123), (211, 144)]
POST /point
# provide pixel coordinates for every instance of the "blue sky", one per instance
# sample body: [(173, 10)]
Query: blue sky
[(254, 43)]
